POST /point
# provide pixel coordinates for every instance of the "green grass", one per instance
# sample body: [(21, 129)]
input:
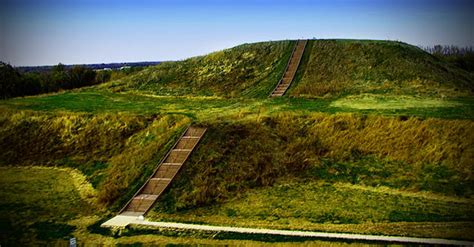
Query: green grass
[(208, 108), (47, 206), (403, 154), (339, 67), (114, 151), (370, 101), (37, 203), (329, 68), (310, 205), (365, 122), (249, 70)]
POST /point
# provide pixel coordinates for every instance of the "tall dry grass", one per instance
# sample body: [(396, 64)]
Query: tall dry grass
[(114, 151), (405, 153), (31, 138), (130, 169)]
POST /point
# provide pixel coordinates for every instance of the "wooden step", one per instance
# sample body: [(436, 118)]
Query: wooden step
[(186, 143), (190, 137), (156, 186), (164, 174), (131, 213), (167, 171), (182, 150), (141, 203), (195, 132), (172, 164), (177, 156)]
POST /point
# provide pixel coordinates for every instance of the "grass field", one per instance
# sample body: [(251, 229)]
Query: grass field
[(209, 108), (369, 101), (47, 206), (340, 207), (38, 203), (373, 137)]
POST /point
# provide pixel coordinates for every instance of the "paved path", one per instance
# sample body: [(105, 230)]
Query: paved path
[(122, 221)]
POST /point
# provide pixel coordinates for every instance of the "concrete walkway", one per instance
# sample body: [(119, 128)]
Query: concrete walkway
[(122, 221)]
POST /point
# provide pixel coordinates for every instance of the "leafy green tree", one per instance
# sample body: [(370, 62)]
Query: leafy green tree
[(31, 84), (80, 76), (9, 81)]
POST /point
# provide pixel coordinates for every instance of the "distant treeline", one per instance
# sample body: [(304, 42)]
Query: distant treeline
[(462, 57), (14, 82), (449, 50), (97, 66)]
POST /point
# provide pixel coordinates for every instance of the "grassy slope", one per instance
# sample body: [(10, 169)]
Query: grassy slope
[(122, 136), (246, 70), (243, 151), (335, 67), (434, 156), (329, 68), (114, 151)]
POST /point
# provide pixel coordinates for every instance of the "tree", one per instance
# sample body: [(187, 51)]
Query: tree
[(10, 79), (81, 76)]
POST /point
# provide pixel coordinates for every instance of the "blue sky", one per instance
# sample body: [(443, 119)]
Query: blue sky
[(42, 32)]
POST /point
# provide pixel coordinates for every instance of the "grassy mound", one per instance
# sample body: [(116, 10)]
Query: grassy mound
[(245, 70), (323, 172), (329, 68), (403, 153), (420, 162), (368, 122), (335, 67), (114, 151)]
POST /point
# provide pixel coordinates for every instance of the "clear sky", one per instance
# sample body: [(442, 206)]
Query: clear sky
[(44, 32)]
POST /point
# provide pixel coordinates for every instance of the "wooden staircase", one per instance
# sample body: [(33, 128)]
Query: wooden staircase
[(290, 70), (169, 166)]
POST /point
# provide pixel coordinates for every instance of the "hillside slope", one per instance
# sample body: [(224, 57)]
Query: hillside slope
[(296, 172), (329, 68), (114, 151), (421, 162), (334, 67), (245, 70), (434, 155)]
